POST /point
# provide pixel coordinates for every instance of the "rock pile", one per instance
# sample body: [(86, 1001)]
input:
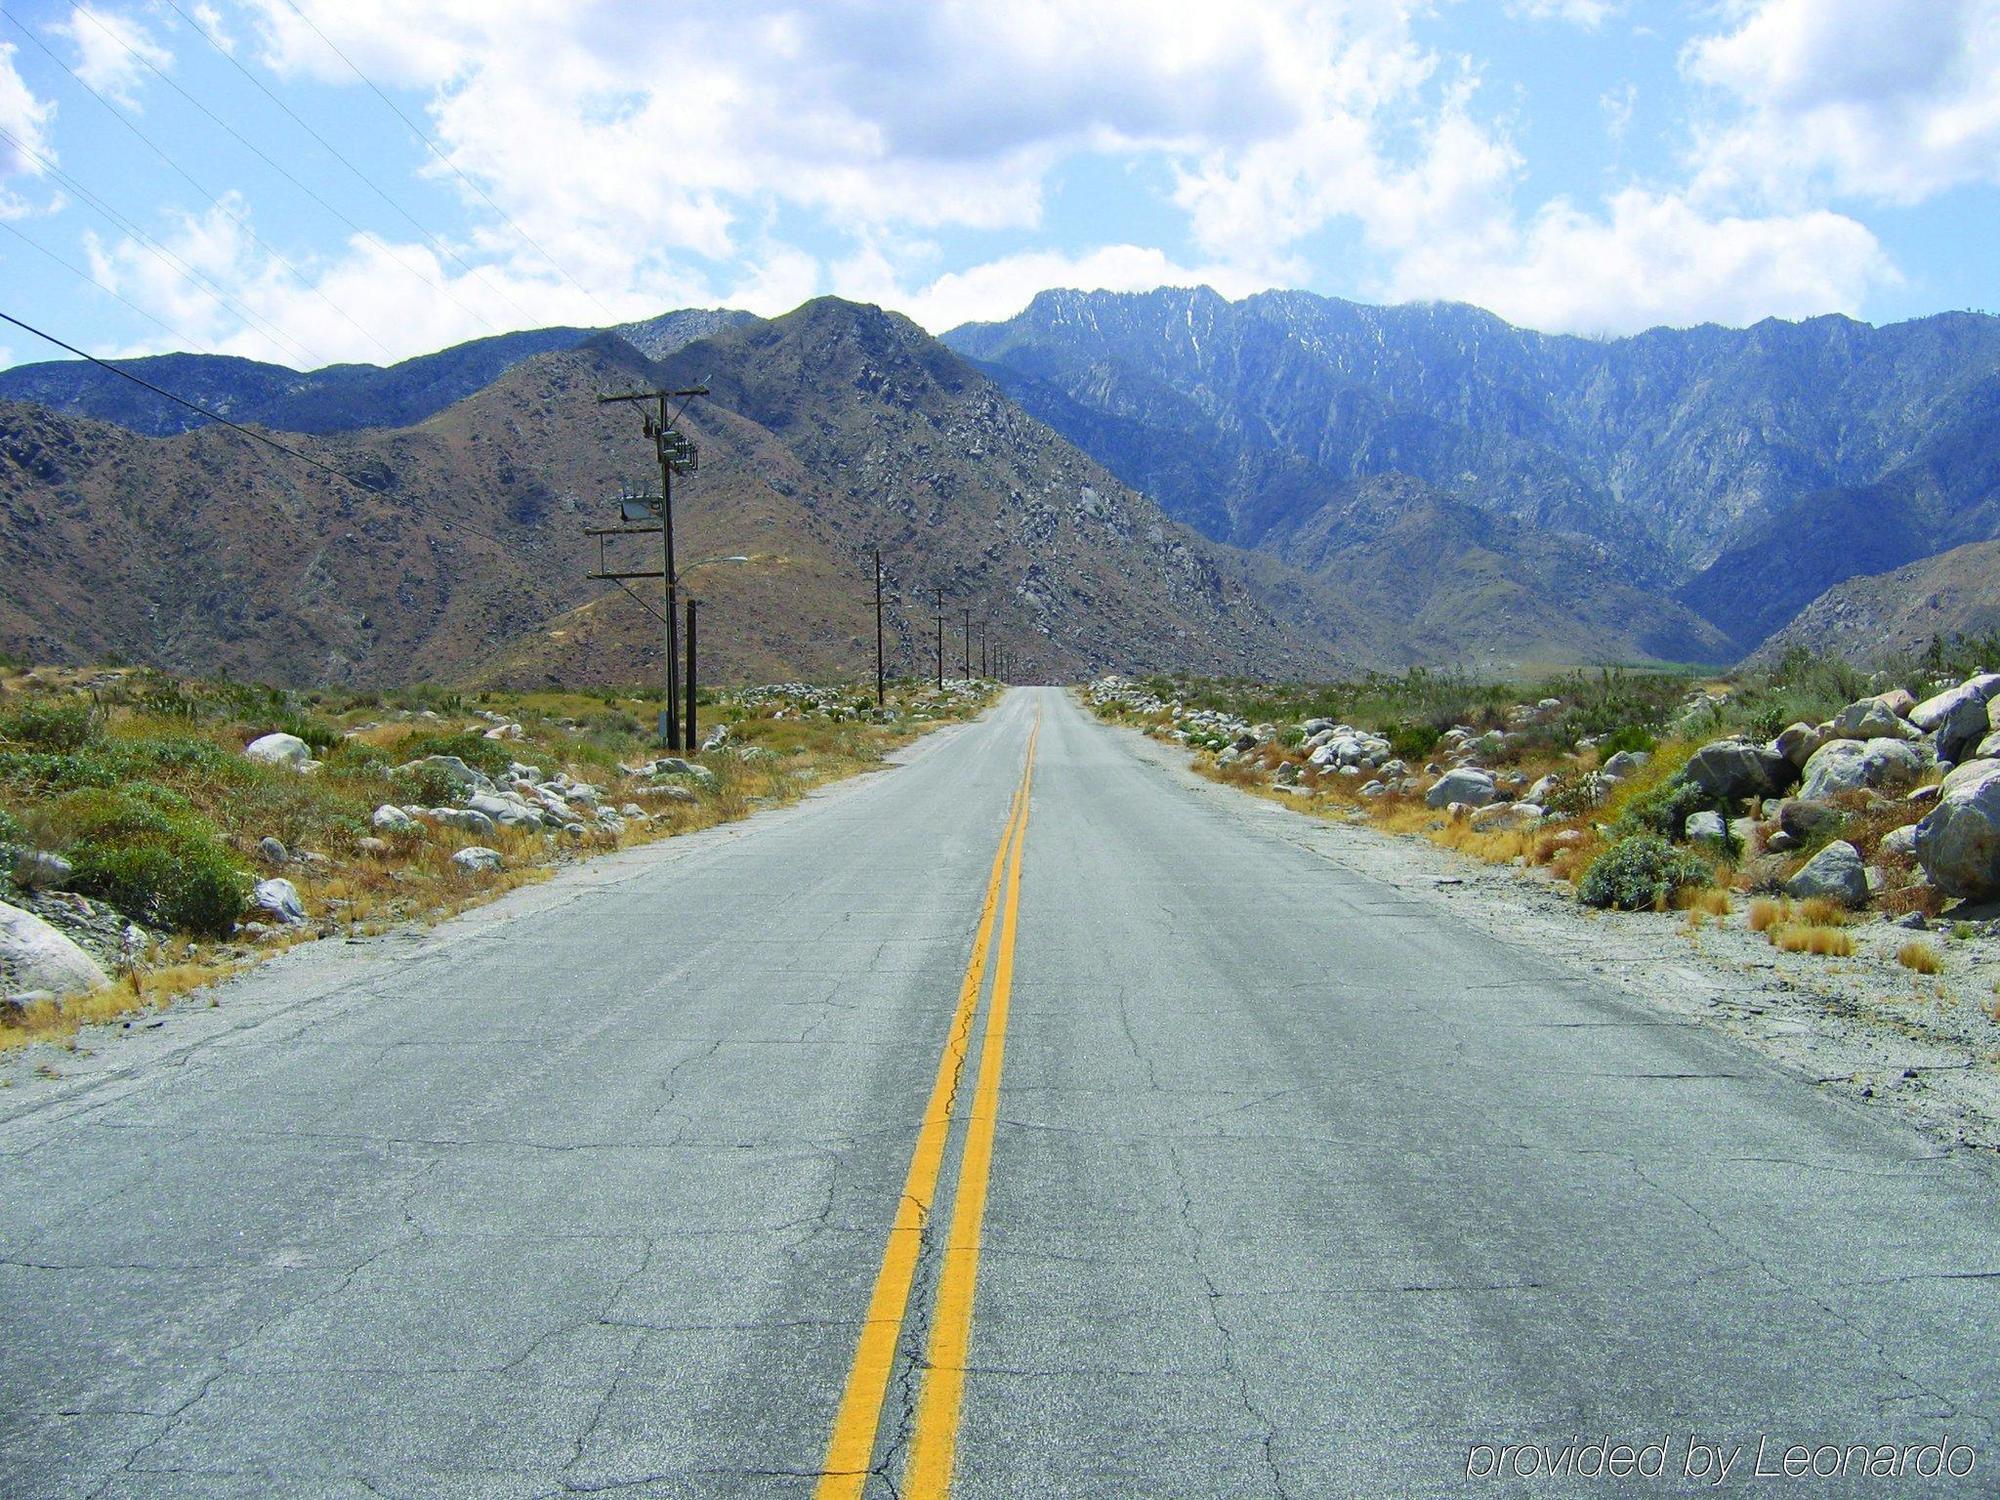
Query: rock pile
[(1795, 793)]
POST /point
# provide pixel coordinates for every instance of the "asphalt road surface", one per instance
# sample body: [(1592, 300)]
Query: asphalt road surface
[(1070, 1135)]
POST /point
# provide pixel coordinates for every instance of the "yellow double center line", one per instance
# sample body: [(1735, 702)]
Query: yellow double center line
[(935, 1438)]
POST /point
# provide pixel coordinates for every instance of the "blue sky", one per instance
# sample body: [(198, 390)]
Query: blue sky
[(224, 176)]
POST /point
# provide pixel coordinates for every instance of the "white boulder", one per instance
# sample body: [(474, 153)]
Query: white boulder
[(1467, 784), (278, 898), (1875, 718), (286, 750), (1958, 842), (37, 956), (1959, 717), (1836, 872), (1852, 765)]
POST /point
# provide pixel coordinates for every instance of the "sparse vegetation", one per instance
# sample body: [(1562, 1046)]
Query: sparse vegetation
[(1765, 915), (1641, 873), (1711, 900), (1805, 937), (1921, 957), (139, 781)]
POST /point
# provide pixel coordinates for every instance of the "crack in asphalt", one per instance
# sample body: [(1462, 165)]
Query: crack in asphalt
[(1215, 1296), (1942, 1408)]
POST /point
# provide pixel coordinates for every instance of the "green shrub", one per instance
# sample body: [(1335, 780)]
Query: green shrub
[(423, 786), (174, 753), (59, 727), (1570, 796), (118, 814), (1640, 874), (319, 733), (145, 851), (168, 700), (356, 756), (181, 886), (1291, 736), (42, 773), (1411, 741), (1663, 811), (1626, 737)]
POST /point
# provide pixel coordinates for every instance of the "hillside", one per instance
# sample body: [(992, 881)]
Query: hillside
[(1895, 615), (1448, 582), (1676, 451), (831, 430)]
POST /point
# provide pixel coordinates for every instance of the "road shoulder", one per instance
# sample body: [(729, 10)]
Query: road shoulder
[(302, 983), (1722, 981)]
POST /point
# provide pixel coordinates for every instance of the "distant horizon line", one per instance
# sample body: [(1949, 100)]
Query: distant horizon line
[(1412, 304)]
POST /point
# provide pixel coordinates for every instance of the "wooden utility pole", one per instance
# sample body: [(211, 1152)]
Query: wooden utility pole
[(880, 697), (692, 741), (940, 638), (968, 643), (676, 455)]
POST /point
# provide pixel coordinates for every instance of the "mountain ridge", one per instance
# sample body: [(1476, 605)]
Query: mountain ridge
[(1669, 447), (462, 557)]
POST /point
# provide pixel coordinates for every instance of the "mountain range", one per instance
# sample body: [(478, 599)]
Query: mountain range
[(1738, 472), (457, 551), (1288, 485)]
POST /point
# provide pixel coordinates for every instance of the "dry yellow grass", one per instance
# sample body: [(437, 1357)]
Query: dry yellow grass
[(1821, 911), (1498, 847), (138, 990), (1921, 957), (1767, 914), (1824, 942), (1712, 900)]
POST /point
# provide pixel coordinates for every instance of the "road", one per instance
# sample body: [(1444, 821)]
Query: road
[(1072, 1136)]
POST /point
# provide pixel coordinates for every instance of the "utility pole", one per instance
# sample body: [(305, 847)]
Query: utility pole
[(692, 732), (676, 455), (880, 699), (940, 638), (968, 643), (985, 667)]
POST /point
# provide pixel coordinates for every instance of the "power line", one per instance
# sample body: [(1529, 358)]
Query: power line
[(216, 198), (196, 406), (237, 427), (334, 151), (32, 244), (269, 161), (440, 155), (160, 253)]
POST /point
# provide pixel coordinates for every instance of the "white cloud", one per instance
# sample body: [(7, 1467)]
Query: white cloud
[(1887, 102), (1000, 288), (758, 153), (112, 51), (1653, 258), (28, 120), (1589, 14), (24, 117), (602, 126), (209, 19), (1618, 105), (370, 301)]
